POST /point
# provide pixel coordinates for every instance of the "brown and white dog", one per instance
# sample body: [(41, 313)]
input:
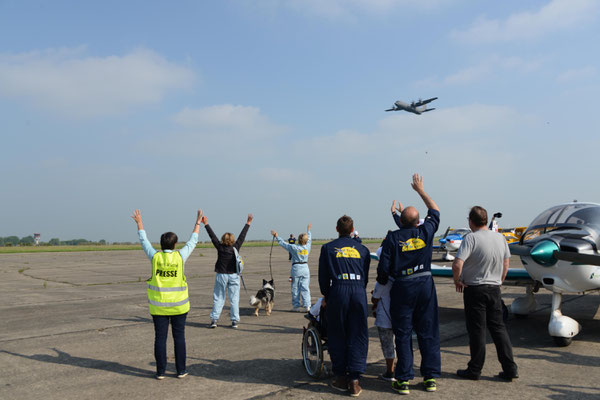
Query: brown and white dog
[(264, 297)]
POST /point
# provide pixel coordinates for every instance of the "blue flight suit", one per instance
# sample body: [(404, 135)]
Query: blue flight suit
[(343, 275), (406, 257)]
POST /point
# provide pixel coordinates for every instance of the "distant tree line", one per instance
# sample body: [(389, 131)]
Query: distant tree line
[(30, 241)]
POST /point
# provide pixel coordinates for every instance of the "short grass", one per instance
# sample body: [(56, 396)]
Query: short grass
[(120, 247)]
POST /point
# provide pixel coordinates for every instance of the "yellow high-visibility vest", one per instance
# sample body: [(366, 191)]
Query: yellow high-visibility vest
[(167, 289)]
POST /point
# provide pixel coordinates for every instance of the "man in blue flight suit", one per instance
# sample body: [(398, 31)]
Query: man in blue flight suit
[(406, 258), (343, 274)]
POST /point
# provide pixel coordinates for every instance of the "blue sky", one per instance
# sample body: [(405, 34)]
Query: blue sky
[(275, 107)]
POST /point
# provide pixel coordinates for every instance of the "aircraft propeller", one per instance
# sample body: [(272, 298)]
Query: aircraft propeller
[(547, 252)]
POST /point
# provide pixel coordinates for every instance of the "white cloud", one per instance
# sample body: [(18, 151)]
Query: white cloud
[(570, 75), (485, 69), (226, 132), (557, 15), (233, 121), (345, 9), (69, 83)]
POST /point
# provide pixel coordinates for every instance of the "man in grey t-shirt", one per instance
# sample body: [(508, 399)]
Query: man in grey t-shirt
[(479, 269)]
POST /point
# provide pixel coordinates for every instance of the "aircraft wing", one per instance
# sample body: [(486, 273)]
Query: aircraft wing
[(423, 102), (392, 109), (513, 277), (514, 274)]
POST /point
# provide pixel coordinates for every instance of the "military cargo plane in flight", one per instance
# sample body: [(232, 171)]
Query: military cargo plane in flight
[(415, 107)]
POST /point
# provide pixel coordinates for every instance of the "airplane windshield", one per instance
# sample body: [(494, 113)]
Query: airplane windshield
[(460, 232), (571, 214), (587, 216)]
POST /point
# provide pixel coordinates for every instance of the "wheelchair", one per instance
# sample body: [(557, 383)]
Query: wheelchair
[(314, 345)]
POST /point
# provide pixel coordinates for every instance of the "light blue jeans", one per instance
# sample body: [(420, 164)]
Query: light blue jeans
[(226, 284), (300, 285)]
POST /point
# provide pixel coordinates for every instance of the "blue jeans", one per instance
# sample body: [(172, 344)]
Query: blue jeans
[(300, 285), (226, 284), (161, 330)]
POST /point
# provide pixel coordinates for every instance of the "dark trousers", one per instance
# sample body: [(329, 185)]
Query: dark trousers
[(347, 329), (161, 330), (483, 307), (413, 305)]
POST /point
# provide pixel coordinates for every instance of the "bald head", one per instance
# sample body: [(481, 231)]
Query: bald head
[(409, 217)]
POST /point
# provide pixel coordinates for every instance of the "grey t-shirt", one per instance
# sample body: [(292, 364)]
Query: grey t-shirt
[(483, 252)]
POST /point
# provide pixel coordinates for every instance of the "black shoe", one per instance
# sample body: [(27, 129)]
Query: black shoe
[(508, 377), (183, 374), (467, 374)]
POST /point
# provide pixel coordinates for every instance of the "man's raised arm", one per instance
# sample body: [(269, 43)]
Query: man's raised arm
[(417, 185)]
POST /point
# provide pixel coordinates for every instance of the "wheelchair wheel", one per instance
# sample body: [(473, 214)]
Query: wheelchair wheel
[(312, 352)]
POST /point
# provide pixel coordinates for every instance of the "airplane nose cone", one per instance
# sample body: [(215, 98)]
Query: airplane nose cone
[(543, 253)]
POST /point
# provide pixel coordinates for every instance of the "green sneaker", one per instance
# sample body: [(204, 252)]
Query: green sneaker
[(401, 387), (430, 385)]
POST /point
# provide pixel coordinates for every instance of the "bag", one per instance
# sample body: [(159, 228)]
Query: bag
[(239, 262)]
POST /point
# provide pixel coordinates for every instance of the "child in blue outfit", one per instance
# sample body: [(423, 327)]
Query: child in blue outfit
[(300, 273)]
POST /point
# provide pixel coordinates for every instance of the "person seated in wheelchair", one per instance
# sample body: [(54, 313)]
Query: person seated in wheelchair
[(318, 317)]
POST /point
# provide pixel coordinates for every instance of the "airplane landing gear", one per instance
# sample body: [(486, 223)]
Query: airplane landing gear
[(561, 328)]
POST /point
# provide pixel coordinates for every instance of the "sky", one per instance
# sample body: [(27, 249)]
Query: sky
[(276, 108)]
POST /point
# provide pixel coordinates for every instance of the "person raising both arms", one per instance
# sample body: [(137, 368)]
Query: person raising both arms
[(300, 272), (227, 281), (168, 293)]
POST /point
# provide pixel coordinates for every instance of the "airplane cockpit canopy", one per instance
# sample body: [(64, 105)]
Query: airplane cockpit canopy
[(459, 232), (565, 215)]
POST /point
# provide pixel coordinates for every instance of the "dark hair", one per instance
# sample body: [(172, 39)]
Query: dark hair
[(478, 215), (345, 225), (168, 240)]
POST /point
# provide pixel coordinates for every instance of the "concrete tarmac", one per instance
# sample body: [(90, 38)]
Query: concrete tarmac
[(76, 326)]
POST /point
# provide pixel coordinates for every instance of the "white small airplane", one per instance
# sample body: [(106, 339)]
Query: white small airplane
[(451, 241), (560, 251)]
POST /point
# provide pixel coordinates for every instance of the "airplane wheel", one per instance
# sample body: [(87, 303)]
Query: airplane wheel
[(562, 341)]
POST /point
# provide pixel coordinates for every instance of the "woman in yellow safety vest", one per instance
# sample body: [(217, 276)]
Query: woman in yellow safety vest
[(168, 293)]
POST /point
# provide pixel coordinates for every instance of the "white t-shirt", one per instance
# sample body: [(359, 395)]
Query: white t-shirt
[(382, 292)]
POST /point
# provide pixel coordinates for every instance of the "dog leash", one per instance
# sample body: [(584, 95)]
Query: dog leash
[(243, 283), (270, 256)]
